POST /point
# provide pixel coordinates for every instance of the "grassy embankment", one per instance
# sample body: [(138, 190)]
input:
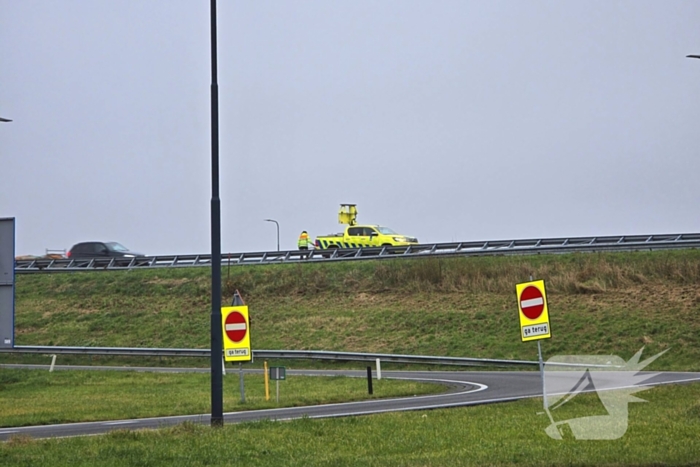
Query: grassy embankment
[(602, 303), (599, 304)]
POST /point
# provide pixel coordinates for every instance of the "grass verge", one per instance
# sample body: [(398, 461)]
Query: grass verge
[(661, 432), (31, 397)]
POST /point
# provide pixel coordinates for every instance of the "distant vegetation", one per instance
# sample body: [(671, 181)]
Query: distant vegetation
[(599, 303)]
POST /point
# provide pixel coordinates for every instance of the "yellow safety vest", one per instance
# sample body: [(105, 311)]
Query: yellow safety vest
[(304, 240)]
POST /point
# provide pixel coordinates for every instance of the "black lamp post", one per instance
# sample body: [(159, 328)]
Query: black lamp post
[(217, 398)]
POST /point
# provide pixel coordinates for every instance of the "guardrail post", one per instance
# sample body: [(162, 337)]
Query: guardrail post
[(369, 380), (379, 370), (53, 362)]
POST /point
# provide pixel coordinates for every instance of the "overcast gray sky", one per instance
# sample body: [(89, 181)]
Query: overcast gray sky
[(447, 120)]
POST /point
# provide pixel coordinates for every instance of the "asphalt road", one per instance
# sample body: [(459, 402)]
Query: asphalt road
[(463, 388)]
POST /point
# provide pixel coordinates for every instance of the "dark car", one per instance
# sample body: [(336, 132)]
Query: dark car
[(101, 250)]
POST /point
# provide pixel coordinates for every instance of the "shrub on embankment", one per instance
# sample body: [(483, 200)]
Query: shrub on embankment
[(571, 274)]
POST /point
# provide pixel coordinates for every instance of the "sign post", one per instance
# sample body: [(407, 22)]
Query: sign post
[(278, 373), (534, 319)]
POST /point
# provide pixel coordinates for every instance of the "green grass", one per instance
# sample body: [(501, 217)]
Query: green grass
[(32, 397), (599, 303), (663, 431)]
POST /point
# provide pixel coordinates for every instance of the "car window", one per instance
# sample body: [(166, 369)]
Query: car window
[(355, 231), (114, 246), (369, 231), (386, 231), (97, 248)]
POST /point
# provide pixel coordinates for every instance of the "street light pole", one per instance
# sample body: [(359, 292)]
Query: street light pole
[(217, 344), (278, 231)]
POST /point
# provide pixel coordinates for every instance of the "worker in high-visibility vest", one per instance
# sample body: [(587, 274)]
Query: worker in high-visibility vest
[(304, 241)]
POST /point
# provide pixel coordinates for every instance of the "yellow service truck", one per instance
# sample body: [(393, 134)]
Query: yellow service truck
[(356, 236)]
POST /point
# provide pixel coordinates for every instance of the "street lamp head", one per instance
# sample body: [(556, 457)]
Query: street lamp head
[(5, 119), (692, 56), (277, 225)]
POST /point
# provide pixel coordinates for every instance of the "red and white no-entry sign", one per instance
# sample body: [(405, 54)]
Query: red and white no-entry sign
[(531, 302), (532, 310), (236, 329), (235, 326)]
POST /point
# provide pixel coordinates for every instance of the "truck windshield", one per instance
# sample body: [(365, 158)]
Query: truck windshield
[(386, 231)]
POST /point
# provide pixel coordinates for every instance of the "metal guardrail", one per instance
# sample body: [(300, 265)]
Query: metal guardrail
[(393, 358), (279, 354), (114, 351), (474, 248)]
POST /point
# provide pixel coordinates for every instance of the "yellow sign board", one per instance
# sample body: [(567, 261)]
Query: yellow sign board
[(236, 328), (532, 308)]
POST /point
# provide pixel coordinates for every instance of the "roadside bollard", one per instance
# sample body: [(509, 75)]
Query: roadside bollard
[(369, 380)]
